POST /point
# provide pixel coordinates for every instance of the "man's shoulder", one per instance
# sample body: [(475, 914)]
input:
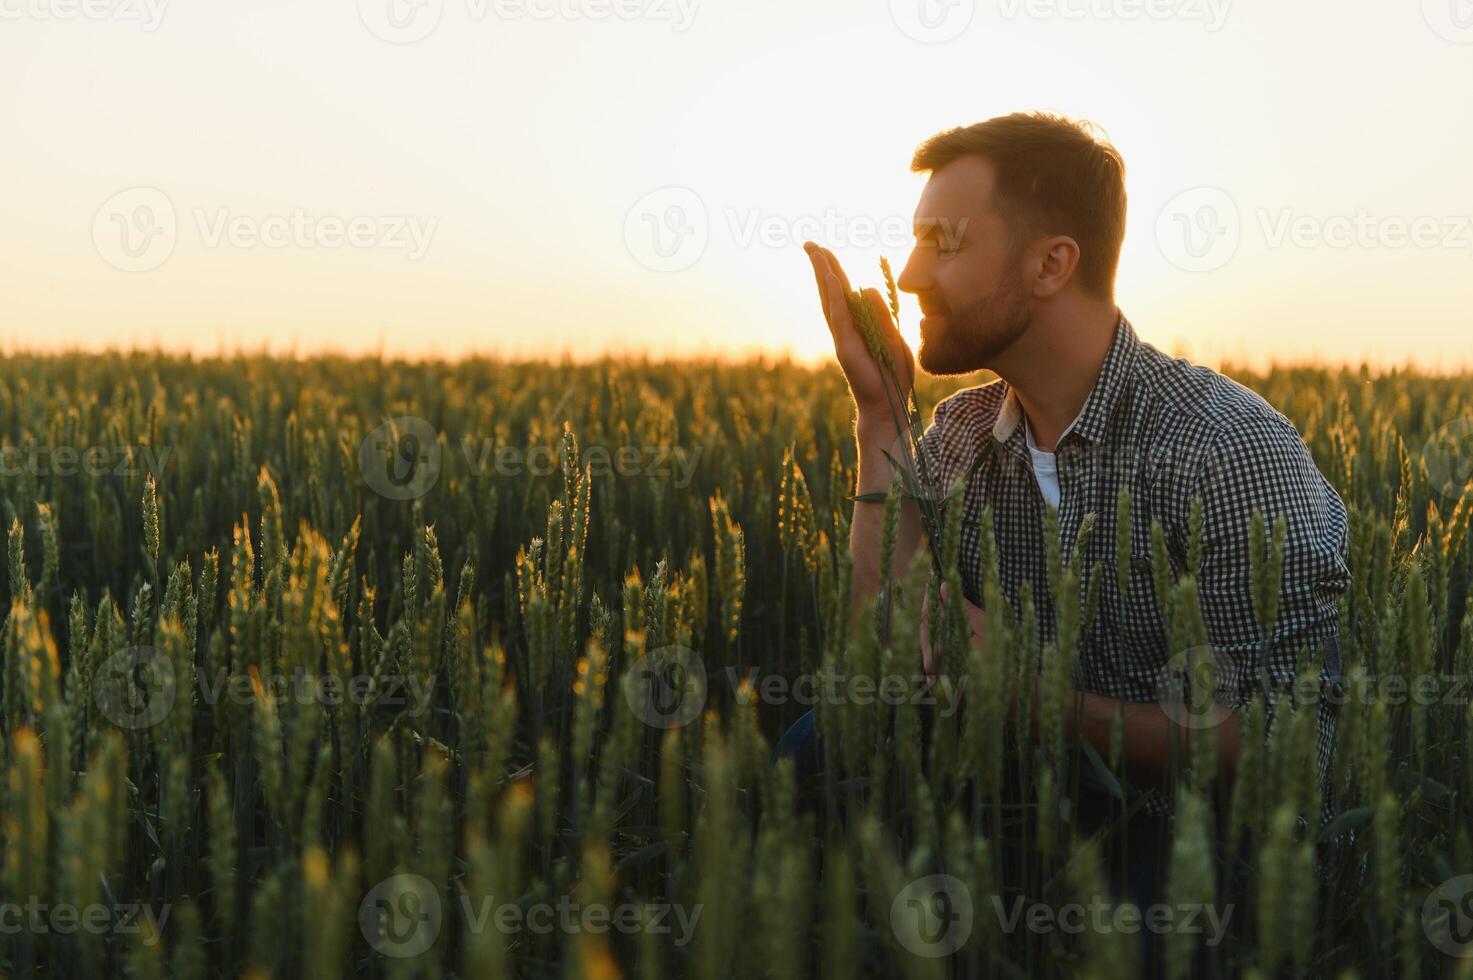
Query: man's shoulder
[(1167, 400), (961, 425), (962, 422), (969, 408), (1177, 400)]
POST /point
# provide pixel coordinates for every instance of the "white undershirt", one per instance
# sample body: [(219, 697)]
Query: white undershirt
[(1045, 464)]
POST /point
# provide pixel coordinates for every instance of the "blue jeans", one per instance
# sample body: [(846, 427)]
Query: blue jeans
[(1136, 860), (802, 743)]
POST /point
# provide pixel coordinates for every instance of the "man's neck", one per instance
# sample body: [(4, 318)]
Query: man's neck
[(1054, 366)]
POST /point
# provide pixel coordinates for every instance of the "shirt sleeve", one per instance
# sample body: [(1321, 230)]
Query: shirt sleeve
[(936, 458), (1260, 463), (949, 448)]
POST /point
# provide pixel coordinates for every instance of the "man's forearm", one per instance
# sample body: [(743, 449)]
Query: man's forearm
[(867, 525), (1149, 732)]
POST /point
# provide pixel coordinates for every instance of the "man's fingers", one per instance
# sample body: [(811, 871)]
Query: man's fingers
[(834, 266), (834, 291), (820, 278), (839, 271), (839, 320)]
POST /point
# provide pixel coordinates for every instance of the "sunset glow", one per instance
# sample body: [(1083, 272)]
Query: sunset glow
[(469, 176)]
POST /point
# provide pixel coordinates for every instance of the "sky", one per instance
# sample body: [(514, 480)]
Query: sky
[(568, 178)]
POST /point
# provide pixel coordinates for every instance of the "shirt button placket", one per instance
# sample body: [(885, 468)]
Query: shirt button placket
[(1070, 513)]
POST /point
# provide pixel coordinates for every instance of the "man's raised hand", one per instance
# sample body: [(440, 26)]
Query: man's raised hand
[(875, 395)]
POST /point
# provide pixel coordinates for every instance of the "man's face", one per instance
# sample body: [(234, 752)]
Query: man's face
[(965, 272)]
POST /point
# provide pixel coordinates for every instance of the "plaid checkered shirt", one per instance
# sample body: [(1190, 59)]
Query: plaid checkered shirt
[(1168, 430)]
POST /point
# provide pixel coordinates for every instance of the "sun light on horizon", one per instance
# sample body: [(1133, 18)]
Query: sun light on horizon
[(575, 177)]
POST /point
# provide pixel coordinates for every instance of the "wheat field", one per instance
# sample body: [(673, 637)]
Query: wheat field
[(334, 668)]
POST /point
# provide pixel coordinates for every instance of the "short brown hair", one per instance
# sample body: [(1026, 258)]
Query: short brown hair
[(1053, 178)]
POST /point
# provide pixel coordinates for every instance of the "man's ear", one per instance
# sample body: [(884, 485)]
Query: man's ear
[(1059, 258)]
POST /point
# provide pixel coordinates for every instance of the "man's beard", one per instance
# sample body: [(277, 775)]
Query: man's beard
[(972, 339)]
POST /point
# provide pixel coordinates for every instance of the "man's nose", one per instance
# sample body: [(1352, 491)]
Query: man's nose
[(913, 278)]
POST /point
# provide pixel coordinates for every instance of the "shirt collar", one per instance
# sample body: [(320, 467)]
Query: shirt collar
[(1033, 446), (1089, 425)]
